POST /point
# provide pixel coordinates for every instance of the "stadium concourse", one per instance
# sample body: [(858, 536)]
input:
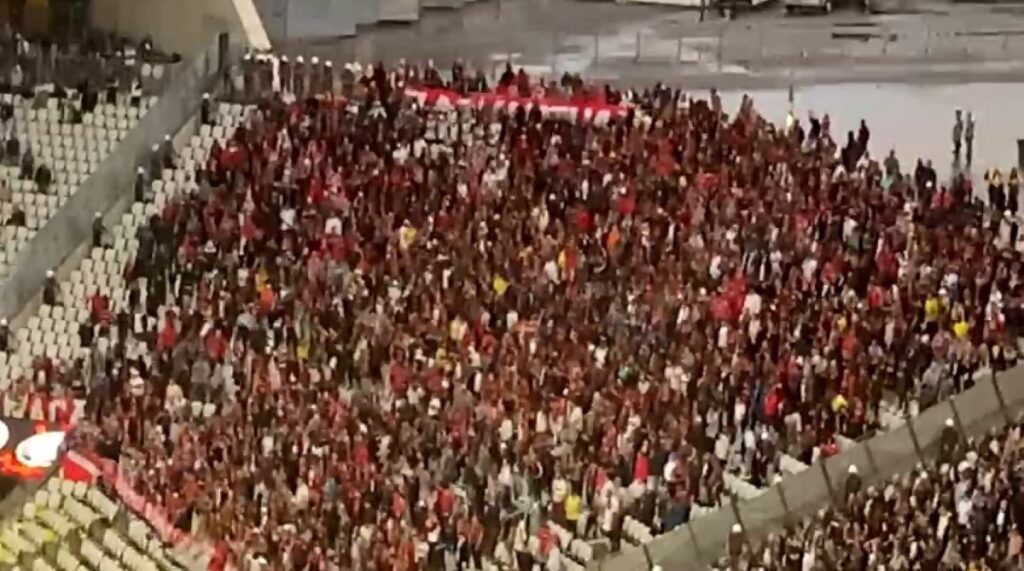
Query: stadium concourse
[(378, 319)]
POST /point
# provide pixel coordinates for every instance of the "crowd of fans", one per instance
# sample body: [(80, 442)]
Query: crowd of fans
[(964, 512), (427, 334)]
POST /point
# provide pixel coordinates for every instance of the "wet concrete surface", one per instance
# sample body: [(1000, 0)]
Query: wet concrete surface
[(927, 42), (915, 120), (905, 78)]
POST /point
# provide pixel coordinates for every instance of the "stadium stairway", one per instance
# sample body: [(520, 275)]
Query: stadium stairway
[(71, 151), (53, 330), (73, 526)]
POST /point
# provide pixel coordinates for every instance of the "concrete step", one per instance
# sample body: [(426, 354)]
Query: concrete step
[(890, 419), (791, 465), (743, 490), (844, 443)]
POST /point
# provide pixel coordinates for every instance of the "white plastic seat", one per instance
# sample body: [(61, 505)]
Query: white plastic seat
[(113, 543), (67, 561), (91, 552)]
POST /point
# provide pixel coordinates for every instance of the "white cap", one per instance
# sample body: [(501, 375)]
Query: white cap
[(140, 170), (167, 137), (329, 63), (49, 273), (3, 321), (98, 214), (299, 59), (949, 422), (156, 146), (315, 60), (853, 469), (737, 528), (284, 58), (206, 96)]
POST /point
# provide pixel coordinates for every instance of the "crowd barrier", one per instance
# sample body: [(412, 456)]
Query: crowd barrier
[(72, 225), (194, 548), (698, 544)]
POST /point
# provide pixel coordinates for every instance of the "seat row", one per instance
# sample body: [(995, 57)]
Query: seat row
[(75, 135), (90, 530), (72, 152), (54, 332)]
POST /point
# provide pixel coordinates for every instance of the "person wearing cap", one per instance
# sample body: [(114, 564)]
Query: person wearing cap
[(139, 186), (98, 230), (50, 288), (348, 80), (316, 78), (5, 335), (736, 544), (167, 150), (284, 73), (206, 110), (299, 78), (949, 442), (328, 77), (263, 77), (853, 482), (156, 162)]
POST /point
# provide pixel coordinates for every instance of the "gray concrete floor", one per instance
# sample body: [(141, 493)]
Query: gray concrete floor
[(905, 78), (926, 41)]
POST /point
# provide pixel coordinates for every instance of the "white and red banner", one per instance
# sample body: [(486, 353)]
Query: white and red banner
[(596, 112)]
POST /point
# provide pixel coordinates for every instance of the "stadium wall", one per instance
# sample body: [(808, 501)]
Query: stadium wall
[(71, 227), (311, 19), (182, 26), (367, 12), (696, 545)]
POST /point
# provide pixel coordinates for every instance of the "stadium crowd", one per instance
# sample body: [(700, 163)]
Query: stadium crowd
[(964, 512), (426, 334)]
